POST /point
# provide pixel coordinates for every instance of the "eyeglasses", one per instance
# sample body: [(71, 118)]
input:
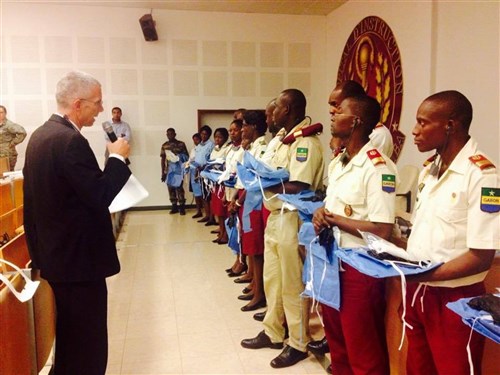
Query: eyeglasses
[(343, 114), (97, 103)]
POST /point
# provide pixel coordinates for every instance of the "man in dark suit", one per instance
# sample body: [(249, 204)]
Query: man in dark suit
[(68, 225)]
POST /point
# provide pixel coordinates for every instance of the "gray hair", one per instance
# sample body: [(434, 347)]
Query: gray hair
[(74, 85)]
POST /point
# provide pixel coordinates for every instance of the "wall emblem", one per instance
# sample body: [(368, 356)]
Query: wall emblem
[(371, 57)]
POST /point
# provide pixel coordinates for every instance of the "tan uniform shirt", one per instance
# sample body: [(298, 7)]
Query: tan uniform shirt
[(303, 159)]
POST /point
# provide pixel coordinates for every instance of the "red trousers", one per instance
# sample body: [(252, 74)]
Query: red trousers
[(252, 243), (217, 203), (437, 344), (356, 333)]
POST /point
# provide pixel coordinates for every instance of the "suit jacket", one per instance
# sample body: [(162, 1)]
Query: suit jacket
[(66, 197)]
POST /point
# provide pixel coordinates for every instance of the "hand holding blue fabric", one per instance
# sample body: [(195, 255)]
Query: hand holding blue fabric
[(322, 274), (304, 202), (254, 175), (233, 236)]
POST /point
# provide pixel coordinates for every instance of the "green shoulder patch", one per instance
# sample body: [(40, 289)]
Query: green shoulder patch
[(490, 199), (389, 183), (302, 153)]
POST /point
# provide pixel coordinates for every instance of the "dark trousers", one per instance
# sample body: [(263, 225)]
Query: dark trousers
[(81, 328), (176, 195)]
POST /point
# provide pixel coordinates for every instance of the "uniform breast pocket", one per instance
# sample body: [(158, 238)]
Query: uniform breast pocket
[(352, 202), (451, 225), (451, 215), (452, 207), (280, 161)]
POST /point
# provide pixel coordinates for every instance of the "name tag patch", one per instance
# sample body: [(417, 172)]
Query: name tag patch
[(389, 183), (490, 199), (301, 154)]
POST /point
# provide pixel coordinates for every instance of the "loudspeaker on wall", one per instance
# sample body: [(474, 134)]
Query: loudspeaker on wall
[(148, 27)]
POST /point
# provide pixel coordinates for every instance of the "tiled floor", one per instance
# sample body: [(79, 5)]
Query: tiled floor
[(173, 310)]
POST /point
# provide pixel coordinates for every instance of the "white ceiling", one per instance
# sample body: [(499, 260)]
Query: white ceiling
[(307, 7)]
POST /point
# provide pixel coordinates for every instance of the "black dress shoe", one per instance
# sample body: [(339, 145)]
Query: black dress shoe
[(259, 316), (241, 280), (246, 297), (319, 347), (222, 242), (215, 231), (197, 215), (235, 274), (230, 269), (211, 222), (216, 240), (246, 290), (204, 220), (255, 306), (261, 341), (288, 357)]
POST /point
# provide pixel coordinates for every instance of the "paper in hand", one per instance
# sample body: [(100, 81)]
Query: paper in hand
[(132, 193)]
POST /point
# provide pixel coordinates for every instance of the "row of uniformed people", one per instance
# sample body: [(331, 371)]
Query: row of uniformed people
[(360, 196), (303, 157), (456, 222), (227, 197)]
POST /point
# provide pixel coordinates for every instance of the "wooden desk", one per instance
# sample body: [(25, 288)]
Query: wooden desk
[(16, 332), (27, 330)]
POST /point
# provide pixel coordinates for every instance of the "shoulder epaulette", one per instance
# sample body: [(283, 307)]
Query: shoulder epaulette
[(430, 160), (375, 156), (305, 131), (481, 162)]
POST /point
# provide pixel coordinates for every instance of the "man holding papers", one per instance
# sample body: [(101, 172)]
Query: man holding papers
[(68, 225)]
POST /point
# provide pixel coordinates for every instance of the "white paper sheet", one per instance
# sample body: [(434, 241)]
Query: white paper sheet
[(132, 193)]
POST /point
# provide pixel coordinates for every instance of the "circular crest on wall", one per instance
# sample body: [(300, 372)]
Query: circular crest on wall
[(371, 57)]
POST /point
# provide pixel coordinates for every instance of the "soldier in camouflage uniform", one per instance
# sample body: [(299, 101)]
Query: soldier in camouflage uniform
[(171, 175), (11, 134)]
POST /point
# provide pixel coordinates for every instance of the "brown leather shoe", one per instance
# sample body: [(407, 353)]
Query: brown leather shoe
[(241, 280), (259, 316), (246, 297), (261, 341), (262, 303), (288, 357)]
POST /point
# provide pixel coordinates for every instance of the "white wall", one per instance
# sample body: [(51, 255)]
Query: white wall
[(468, 52), (443, 45), (201, 61)]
